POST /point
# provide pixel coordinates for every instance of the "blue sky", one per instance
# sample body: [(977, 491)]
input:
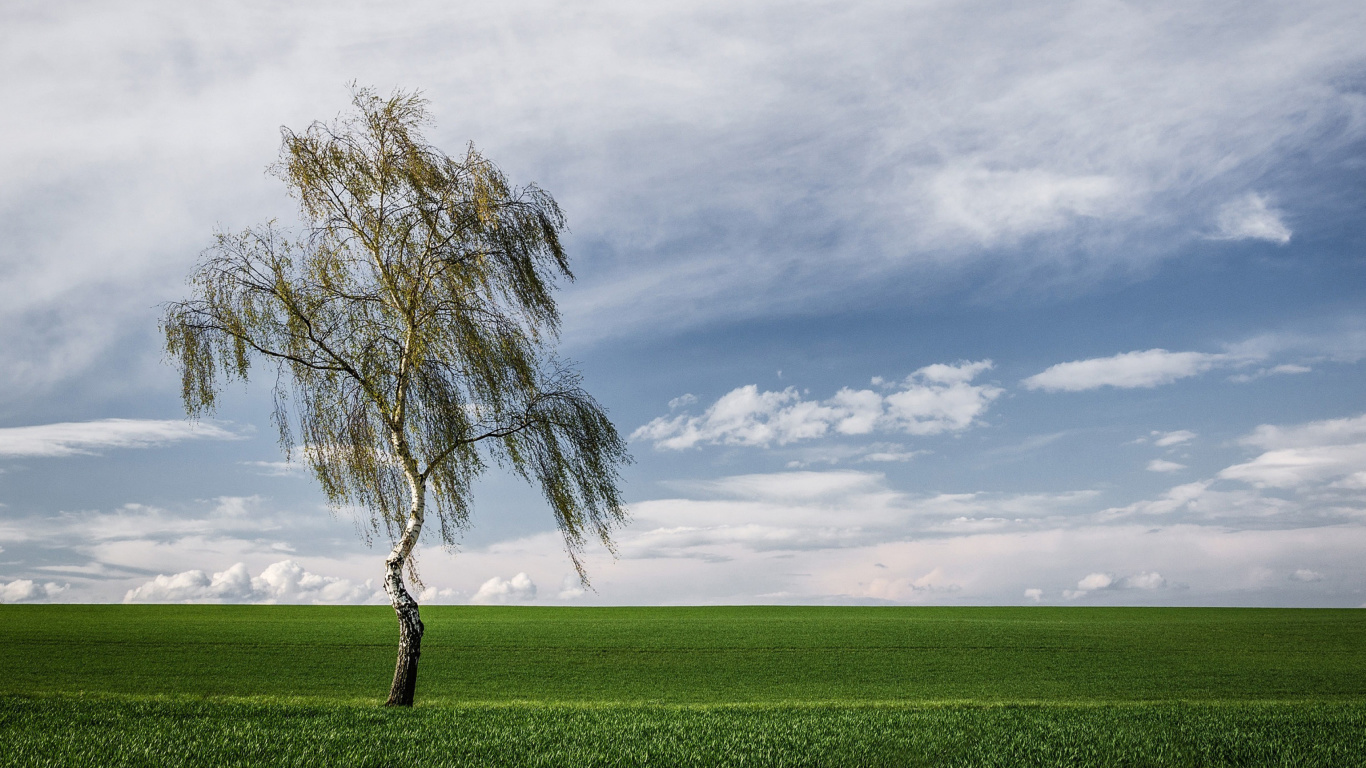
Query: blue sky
[(916, 303)]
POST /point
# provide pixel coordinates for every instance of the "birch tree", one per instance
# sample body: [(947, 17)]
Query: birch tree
[(410, 325)]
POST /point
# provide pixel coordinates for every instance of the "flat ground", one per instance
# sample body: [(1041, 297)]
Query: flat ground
[(289, 685)]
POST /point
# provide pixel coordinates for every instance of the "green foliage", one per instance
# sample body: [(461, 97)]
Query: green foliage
[(410, 326), (694, 655), (61, 731)]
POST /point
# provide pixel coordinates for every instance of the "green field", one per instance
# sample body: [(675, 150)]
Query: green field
[(250, 685)]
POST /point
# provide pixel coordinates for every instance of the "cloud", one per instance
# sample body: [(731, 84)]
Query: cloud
[(1144, 580), (25, 590), (1305, 455), (1343, 431), (1149, 368), (571, 588), (278, 468), (445, 596), (1096, 582), (1249, 218), (905, 149), (1305, 474), (934, 399), (682, 400), (498, 591), (88, 437), (1306, 575), (1034, 593), (1275, 370), (1161, 465), (282, 582), (1167, 439), (997, 205)]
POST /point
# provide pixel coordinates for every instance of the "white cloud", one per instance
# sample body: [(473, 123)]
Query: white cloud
[(283, 582), (87, 437), (441, 596), (1034, 593), (1149, 368), (1250, 218), (1275, 370), (571, 588), (1167, 439), (278, 468), (519, 588), (1161, 465), (993, 205), (910, 147), (1306, 575), (1146, 580), (1299, 467), (682, 400), (1303, 456), (934, 399), (25, 590), (1313, 434), (1094, 581)]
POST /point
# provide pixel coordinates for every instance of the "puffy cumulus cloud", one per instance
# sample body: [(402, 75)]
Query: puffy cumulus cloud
[(1034, 593), (1148, 368), (87, 437), (282, 582), (1306, 575), (1251, 218), (1095, 582), (934, 399), (497, 591), (441, 596), (27, 591)]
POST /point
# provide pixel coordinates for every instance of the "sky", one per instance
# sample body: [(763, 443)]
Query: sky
[(913, 303)]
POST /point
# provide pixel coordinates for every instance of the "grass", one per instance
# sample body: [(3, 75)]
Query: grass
[(239, 685)]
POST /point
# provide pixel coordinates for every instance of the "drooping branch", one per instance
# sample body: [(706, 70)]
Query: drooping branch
[(410, 324)]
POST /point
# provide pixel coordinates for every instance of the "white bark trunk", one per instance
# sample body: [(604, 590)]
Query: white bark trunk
[(405, 607)]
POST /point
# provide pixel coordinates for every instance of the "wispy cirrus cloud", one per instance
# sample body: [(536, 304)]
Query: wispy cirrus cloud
[(817, 149), (91, 437), (1251, 218), (934, 399)]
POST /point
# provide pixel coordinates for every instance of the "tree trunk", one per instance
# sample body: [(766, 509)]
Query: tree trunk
[(409, 620), (409, 637)]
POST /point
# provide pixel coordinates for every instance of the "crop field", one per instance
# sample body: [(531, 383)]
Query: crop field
[(288, 685)]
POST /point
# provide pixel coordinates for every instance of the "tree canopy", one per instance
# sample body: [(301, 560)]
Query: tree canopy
[(410, 324)]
